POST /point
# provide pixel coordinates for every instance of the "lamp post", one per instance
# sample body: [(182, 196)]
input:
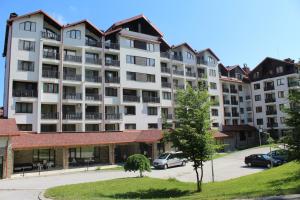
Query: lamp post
[(259, 134), (212, 168)]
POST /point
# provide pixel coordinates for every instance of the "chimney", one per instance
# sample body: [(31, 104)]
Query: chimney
[(13, 15), (246, 68), (289, 60)]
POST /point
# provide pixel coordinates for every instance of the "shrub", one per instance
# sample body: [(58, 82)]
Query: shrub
[(137, 162)]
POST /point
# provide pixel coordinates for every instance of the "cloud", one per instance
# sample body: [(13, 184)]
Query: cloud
[(60, 18)]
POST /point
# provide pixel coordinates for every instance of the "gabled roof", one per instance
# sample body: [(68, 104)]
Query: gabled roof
[(141, 16), (186, 45), (88, 24), (8, 127), (210, 51)]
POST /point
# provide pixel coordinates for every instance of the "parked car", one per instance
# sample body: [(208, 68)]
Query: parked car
[(279, 154), (169, 159), (261, 160)]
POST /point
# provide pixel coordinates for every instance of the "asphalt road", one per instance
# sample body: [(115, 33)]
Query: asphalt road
[(228, 167)]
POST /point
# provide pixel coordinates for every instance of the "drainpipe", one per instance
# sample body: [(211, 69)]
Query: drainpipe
[(60, 79), (103, 82)]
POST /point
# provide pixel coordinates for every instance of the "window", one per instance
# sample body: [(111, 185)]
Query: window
[(140, 61), (151, 78), (281, 107), (48, 127), (189, 56), (25, 65), (23, 107), (24, 127), (215, 124), (212, 72), (26, 45), (130, 126), (256, 75), (130, 59), (258, 109), (129, 110), (242, 136), (240, 88), (150, 47), (241, 99), (214, 112), (280, 94), (152, 126), (92, 127), (242, 110), (28, 26), (152, 110), (111, 92), (279, 69), (239, 76), (131, 76), (259, 121), (280, 81), (210, 59), (50, 88), (282, 120), (166, 95), (256, 86), (69, 127), (213, 86), (257, 97), (74, 34)]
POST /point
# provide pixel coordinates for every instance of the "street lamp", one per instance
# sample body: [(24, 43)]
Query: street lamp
[(259, 134)]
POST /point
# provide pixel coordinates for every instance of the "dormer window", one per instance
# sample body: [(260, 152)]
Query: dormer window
[(211, 59), (28, 26), (74, 34), (189, 55), (279, 69)]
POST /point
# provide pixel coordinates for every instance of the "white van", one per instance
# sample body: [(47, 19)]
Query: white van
[(169, 159)]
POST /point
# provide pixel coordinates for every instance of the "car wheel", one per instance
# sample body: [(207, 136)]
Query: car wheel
[(165, 166), (269, 165), (249, 164), (183, 163)]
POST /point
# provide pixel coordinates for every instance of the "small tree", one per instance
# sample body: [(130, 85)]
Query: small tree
[(137, 162), (192, 135)]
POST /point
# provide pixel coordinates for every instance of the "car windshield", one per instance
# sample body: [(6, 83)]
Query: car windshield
[(266, 157), (163, 156)]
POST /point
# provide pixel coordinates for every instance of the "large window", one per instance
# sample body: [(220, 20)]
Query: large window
[(111, 92), (137, 60), (23, 107), (74, 34), (257, 97), (25, 65), (212, 72), (166, 95), (26, 45), (152, 110), (50, 88), (256, 86), (48, 127), (259, 121), (279, 69), (213, 85), (24, 127), (129, 110), (131, 76), (258, 109), (280, 81), (214, 112), (130, 126), (42, 155), (280, 94), (28, 26), (152, 126)]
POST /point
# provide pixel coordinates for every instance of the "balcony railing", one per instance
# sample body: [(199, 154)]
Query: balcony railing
[(114, 116), (50, 74), (225, 90), (165, 84), (72, 58), (72, 96), (202, 75), (50, 55), (112, 46), (95, 61), (114, 63), (167, 116), (232, 90), (269, 87), (93, 115), (227, 102), (273, 124), (227, 114), (165, 70), (293, 83), (215, 102), (176, 57), (235, 114), (270, 100), (51, 36), (178, 72), (24, 93), (72, 116), (271, 112), (164, 55), (179, 87), (93, 97), (151, 99), (249, 109), (204, 62), (191, 74), (131, 98), (50, 115), (70, 77), (93, 79), (93, 43), (112, 79)]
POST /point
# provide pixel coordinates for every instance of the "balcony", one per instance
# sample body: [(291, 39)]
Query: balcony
[(94, 61), (114, 116), (293, 83), (131, 98), (72, 58), (93, 97), (225, 90), (167, 116), (24, 93), (164, 55), (190, 74), (50, 115), (165, 84), (179, 87), (248, 97), (269, 87), (249, 109), (176, 57), (215, 102), (93, 115), (235, 114), (50, 74), (227, 114), (151, 99), (249, 120), (50, 55), (93, 79), (234, 102), (112, 46), (112, 79), (227, 102), (202, 75), (203, 62), (270, 100), (233, 90), (92, 43), (114, 63), (73, 96), (271, 112), (69, 77), (178, 72), (72, 116), (271, 125), (50, 36), (165, 70)]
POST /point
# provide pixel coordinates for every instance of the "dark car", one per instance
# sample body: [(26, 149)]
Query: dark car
[(261, 160), (279, 154)]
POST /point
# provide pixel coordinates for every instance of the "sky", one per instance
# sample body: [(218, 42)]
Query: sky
[(237, 31)]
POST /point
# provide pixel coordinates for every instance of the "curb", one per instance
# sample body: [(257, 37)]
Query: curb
[(42, 197)]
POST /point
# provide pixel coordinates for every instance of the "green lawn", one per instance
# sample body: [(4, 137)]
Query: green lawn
[(281, 180), (112, 168)]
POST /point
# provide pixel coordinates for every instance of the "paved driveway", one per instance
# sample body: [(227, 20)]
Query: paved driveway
[(28, 188)]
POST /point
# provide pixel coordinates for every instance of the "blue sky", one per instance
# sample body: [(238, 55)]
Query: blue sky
[(237, 31)]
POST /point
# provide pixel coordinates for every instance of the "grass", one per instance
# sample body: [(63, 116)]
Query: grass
[(277, 181), (112, 168), (220, 155)]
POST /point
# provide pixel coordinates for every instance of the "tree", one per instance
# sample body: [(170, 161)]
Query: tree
[(192, 135), (293, 120), (137, 162)]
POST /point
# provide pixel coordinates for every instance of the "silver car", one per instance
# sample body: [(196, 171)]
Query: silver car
[(169, 159)]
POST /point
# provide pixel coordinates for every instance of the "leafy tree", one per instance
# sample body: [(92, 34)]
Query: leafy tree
[(137, 162), (192, 135), (293, 120)]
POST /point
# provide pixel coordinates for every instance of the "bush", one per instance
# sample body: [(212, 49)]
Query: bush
[(137, 162)]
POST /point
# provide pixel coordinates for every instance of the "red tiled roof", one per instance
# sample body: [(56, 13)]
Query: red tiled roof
[(208, 49), (229, 128), (48, 140), (219, 135), (185, 44), (88, 23), (8, 127)]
